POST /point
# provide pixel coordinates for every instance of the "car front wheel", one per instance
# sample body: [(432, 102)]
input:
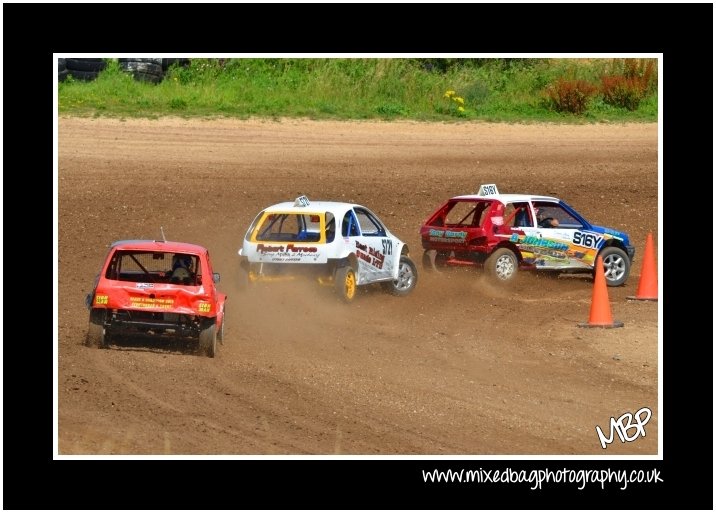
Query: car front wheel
[(407, 278), (616, 266)]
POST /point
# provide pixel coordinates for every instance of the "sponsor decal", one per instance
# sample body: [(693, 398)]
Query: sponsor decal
[(151, 302), (287, 253), (538, 242), (371, 255), (145, 285), (613, 233), (447, 236), (289, 248), (101, 300)]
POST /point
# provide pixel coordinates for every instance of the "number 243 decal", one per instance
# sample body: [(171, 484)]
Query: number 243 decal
[(387, 246)]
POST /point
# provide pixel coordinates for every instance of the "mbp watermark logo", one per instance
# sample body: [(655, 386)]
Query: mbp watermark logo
[(623, 424)]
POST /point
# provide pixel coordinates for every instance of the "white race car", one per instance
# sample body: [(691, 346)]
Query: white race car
[(339, 244)]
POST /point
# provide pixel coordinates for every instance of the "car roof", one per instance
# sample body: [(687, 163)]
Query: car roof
[(159, 245), (507, 198), (315, 206)]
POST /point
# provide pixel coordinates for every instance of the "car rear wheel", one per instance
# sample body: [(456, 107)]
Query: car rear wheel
[(345, 283), (407, 278), (501, 265), (243, 275), (616, 266), (96, 333), (220, 334), (434, 261), (207, 339)]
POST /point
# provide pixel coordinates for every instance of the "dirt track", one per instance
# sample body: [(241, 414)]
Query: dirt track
[(458, 367)]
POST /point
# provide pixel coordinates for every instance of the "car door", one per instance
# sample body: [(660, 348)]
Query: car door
[(372, 247), (548, 244)]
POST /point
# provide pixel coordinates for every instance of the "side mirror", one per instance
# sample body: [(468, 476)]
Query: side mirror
[(217, 277)]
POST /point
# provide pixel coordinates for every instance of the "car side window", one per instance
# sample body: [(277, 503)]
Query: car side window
[(517, 215), (553, 215), (466, 213), (369, 224), (350, 225), (330, 227)]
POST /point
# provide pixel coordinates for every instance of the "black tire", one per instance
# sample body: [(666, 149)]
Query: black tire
[(83, 75), (138, 59), (61, 64), (62, 76), (616, 266), (207, 339), (220, 333), (85, 64), (501, 265), (345, 284), (96, 332), (168, 63), (150, 68), (407, 278), (244, 280), (429, 260)]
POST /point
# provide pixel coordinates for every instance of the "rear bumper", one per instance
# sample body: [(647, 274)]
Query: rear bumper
[(156, 323)]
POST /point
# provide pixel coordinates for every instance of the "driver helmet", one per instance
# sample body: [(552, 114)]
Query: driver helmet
[(183, 261)]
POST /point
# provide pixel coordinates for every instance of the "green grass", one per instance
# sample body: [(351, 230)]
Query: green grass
[(510, 90)]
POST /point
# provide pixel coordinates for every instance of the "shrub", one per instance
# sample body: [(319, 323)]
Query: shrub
[(570, 95), (629, 87), (622, 92)]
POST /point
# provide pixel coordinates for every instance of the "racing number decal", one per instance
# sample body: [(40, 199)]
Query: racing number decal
[(387, 246)]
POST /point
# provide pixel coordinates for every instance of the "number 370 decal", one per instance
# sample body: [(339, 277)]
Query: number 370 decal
[(387, 246)]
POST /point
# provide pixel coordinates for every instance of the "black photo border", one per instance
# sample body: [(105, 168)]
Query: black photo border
[(33, 32)]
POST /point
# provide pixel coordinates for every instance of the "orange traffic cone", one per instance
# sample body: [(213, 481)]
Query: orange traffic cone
[(600, 314), (647, 289)]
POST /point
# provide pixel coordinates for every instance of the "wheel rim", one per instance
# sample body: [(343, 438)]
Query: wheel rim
[(350, 285), (614, 267), (405, 277), (504, 267)]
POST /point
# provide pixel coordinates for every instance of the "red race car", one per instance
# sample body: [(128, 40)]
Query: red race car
[(506, 232), (162, 289)]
